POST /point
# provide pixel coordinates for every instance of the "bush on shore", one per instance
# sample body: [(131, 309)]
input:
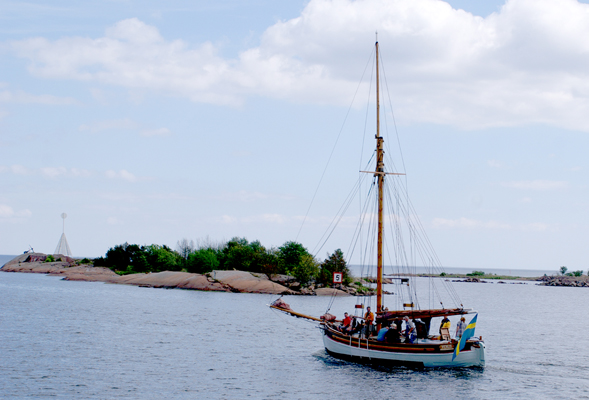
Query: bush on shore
[(334, 263), (132, 258), (291, 258)]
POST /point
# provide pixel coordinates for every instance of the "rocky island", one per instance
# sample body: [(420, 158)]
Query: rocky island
[(218, 280), (565, 280), (228, 280)]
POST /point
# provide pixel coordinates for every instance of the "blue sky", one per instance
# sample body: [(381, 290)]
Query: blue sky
[(149, 122)]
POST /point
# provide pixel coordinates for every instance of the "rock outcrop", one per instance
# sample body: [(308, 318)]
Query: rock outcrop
[(88, 273), (35, 262), (470, 279), (241, 281), (563, 280), (331, 292), (219, 281)]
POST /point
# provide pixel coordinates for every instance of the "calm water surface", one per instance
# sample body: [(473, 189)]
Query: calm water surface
[(92, 340)]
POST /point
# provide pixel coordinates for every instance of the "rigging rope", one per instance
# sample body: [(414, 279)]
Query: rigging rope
[(407, 244), (332, 151)]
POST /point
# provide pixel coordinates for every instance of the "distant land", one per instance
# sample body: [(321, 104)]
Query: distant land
[(356, 270), (218, 280), (529, 273), (250, 282)]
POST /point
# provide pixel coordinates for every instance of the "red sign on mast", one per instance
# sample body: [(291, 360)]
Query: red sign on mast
[(338, 277)]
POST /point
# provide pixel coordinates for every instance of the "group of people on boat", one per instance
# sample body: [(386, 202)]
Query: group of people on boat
[(400, 330)]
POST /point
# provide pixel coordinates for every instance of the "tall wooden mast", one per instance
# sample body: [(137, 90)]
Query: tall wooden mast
[(380, 176)]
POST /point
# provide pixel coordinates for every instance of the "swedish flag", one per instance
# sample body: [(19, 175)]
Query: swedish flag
[(468, 333)]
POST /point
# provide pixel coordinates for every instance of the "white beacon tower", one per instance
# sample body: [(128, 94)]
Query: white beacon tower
[(62, 247)]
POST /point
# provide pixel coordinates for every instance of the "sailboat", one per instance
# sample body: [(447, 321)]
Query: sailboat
[(407, 338)]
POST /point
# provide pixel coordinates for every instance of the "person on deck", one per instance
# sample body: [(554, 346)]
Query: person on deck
[(410, 333), (444, 324), (460, 327), (420, 328), (346, 323), (382, 334), (399, 323), (355, 327), (392, 335), (368, 321)]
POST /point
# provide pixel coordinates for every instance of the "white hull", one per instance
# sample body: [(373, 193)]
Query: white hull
[(475, 357)]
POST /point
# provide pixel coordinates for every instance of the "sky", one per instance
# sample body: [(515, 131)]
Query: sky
[(149, 122)]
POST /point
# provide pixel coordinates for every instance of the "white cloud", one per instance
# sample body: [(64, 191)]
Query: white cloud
[(227, 219), (112, 221), (524, 64), (171, 196), (133, 55), (495, 164), (156, 132), (121, 174), (243, 195), (19, 170), (26, 98), (118, 197), (48, 172), (77, 172), (122, 124), (100, 126), (466, 223), (262, 218), (537, 226), (8, 212), (53, 172), (246, 196), (267, 218), (19, 96), (536, 185)]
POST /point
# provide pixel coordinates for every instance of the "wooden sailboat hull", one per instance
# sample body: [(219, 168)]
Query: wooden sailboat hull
[(427, 355)]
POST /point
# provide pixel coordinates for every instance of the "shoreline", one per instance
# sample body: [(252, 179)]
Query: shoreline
[(218, 280), (237, 281)]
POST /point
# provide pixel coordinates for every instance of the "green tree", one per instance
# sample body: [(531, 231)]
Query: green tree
[(162, 258), (202, 261), (334, 263), (290, 255), (307, 270), (296, 261), (259, 256), (238, 254), (184, 248), (563, 270), (139, 261), (270, 262), (124, 258)]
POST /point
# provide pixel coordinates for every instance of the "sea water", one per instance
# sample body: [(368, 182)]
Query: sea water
[(93, 340)]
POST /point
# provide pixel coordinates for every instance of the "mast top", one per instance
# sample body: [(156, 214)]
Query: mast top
[(376, 33)]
